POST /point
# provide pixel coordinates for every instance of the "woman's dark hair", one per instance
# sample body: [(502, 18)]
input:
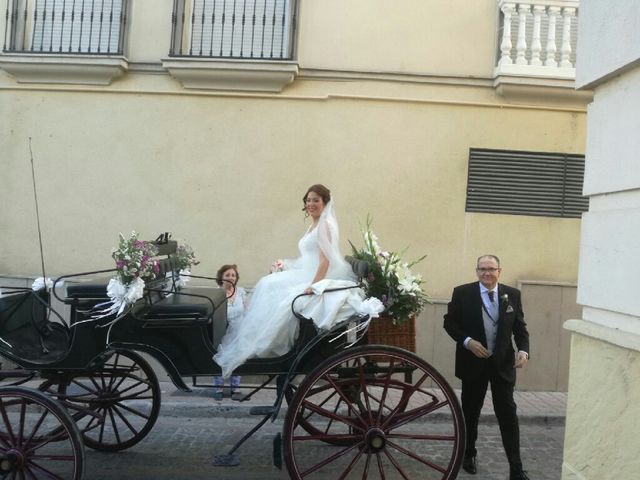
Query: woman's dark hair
[(320, 190), (224, 268)]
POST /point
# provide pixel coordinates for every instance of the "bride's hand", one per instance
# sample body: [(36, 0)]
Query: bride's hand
[(308, 291)]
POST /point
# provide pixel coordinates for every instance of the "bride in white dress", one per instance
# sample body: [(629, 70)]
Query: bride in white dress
[(269, 329)]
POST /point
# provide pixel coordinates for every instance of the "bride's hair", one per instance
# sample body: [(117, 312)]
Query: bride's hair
[(320, 190)]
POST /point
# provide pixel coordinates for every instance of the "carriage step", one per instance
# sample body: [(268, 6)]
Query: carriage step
[(277, 451), (227, 460), (263, 411)]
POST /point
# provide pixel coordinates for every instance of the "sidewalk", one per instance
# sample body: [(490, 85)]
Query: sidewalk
[(533, 407)]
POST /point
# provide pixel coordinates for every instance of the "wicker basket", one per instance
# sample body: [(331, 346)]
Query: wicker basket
[(383, 331)]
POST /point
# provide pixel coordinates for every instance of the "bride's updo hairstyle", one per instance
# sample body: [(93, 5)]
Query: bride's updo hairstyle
[(319, 190)]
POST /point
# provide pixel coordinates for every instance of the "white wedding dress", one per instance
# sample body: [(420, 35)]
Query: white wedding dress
[(269, 328)]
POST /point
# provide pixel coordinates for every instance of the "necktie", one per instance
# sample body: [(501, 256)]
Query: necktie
[(493, 308)]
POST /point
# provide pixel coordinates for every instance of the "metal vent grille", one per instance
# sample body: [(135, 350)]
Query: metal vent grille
[(526, 183)]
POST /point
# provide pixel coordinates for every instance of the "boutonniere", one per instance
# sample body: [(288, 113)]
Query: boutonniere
[(505, 299)]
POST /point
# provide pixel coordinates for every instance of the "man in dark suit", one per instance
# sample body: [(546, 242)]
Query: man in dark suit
[(482, 318)]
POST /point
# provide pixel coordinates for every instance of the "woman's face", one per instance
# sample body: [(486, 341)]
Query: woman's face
[(229, 275), (314, 205)]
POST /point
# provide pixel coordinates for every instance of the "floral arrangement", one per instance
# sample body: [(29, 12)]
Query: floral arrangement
[(135, 264), (185, 257), (277, 266), (390, 278), (135, 259)]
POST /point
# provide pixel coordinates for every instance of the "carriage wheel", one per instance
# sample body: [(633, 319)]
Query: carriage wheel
[(116, 406), (374, 412), (38, 438), (306, 417)]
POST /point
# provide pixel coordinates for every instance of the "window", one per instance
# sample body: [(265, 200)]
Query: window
[(526, 183), (66, 26), (242, 29)]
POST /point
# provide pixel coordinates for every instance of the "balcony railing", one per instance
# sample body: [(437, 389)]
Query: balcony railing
[(538, 38), (233, 29), (86, 27)]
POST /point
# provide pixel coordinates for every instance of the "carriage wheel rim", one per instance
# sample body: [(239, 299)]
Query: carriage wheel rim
[(121, 402), (377, 435), (38, 437)]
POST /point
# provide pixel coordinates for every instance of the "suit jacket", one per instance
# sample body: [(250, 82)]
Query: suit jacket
[(464, 319)]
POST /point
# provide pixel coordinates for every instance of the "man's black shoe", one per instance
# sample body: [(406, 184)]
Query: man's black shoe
[(521, 475), (469, 464)]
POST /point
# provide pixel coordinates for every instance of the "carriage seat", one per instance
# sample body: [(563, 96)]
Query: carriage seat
[(188, 307), (87, 291)]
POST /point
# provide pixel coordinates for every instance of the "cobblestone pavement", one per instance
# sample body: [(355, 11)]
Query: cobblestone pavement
[(182, 448)]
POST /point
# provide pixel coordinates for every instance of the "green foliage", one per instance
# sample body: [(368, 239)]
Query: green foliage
[(390, 278)]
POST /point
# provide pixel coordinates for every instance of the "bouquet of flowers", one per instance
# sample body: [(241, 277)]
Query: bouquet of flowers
[(135, 264), (390, 278), (277, 266), (185, 258), (134, 259)]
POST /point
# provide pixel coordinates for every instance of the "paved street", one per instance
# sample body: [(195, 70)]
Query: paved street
[(182, 448)]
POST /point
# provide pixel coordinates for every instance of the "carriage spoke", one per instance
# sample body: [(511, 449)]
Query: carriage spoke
[(7, 423), (47, 472), (132, 410), (395, 463), (125, 421), (328, 414), (380, 466), (330, 459), (351, 465), (400, 419), (363, 386), (343, 396), (418, 458), (37, 426), (114, 426)]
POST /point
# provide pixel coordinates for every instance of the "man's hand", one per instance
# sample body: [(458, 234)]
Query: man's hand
[(521, 360), (478, 349)]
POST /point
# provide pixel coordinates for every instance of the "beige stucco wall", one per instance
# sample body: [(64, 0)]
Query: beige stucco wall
[(388, 101), (227, 174), (601, 434)]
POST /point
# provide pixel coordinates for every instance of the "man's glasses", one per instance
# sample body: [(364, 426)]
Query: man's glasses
[(487, 270)]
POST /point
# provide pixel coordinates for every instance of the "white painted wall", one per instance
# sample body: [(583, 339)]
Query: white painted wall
[(609, 34)]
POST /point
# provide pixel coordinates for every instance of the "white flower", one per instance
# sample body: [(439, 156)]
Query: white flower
[(40, 282)]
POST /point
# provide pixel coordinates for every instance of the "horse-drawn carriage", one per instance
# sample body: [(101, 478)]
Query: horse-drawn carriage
[(366, 411)]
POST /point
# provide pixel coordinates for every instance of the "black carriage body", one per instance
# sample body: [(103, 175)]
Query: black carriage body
[(361, 399)]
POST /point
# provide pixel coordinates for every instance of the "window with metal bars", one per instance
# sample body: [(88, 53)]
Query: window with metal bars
[(234, 29), (92, 27), (526, 183)]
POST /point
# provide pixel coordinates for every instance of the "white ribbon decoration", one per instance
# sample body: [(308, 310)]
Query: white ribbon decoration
[(40, 283), (372, 307), (121, 295), (183, 278)]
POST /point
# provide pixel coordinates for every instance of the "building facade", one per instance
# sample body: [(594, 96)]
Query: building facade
[(602, 412), (455, 124)]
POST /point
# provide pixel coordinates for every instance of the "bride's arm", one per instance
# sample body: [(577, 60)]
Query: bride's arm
[(321, 272)]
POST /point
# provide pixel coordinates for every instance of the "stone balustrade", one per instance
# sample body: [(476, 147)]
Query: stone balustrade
[(538, 38)]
